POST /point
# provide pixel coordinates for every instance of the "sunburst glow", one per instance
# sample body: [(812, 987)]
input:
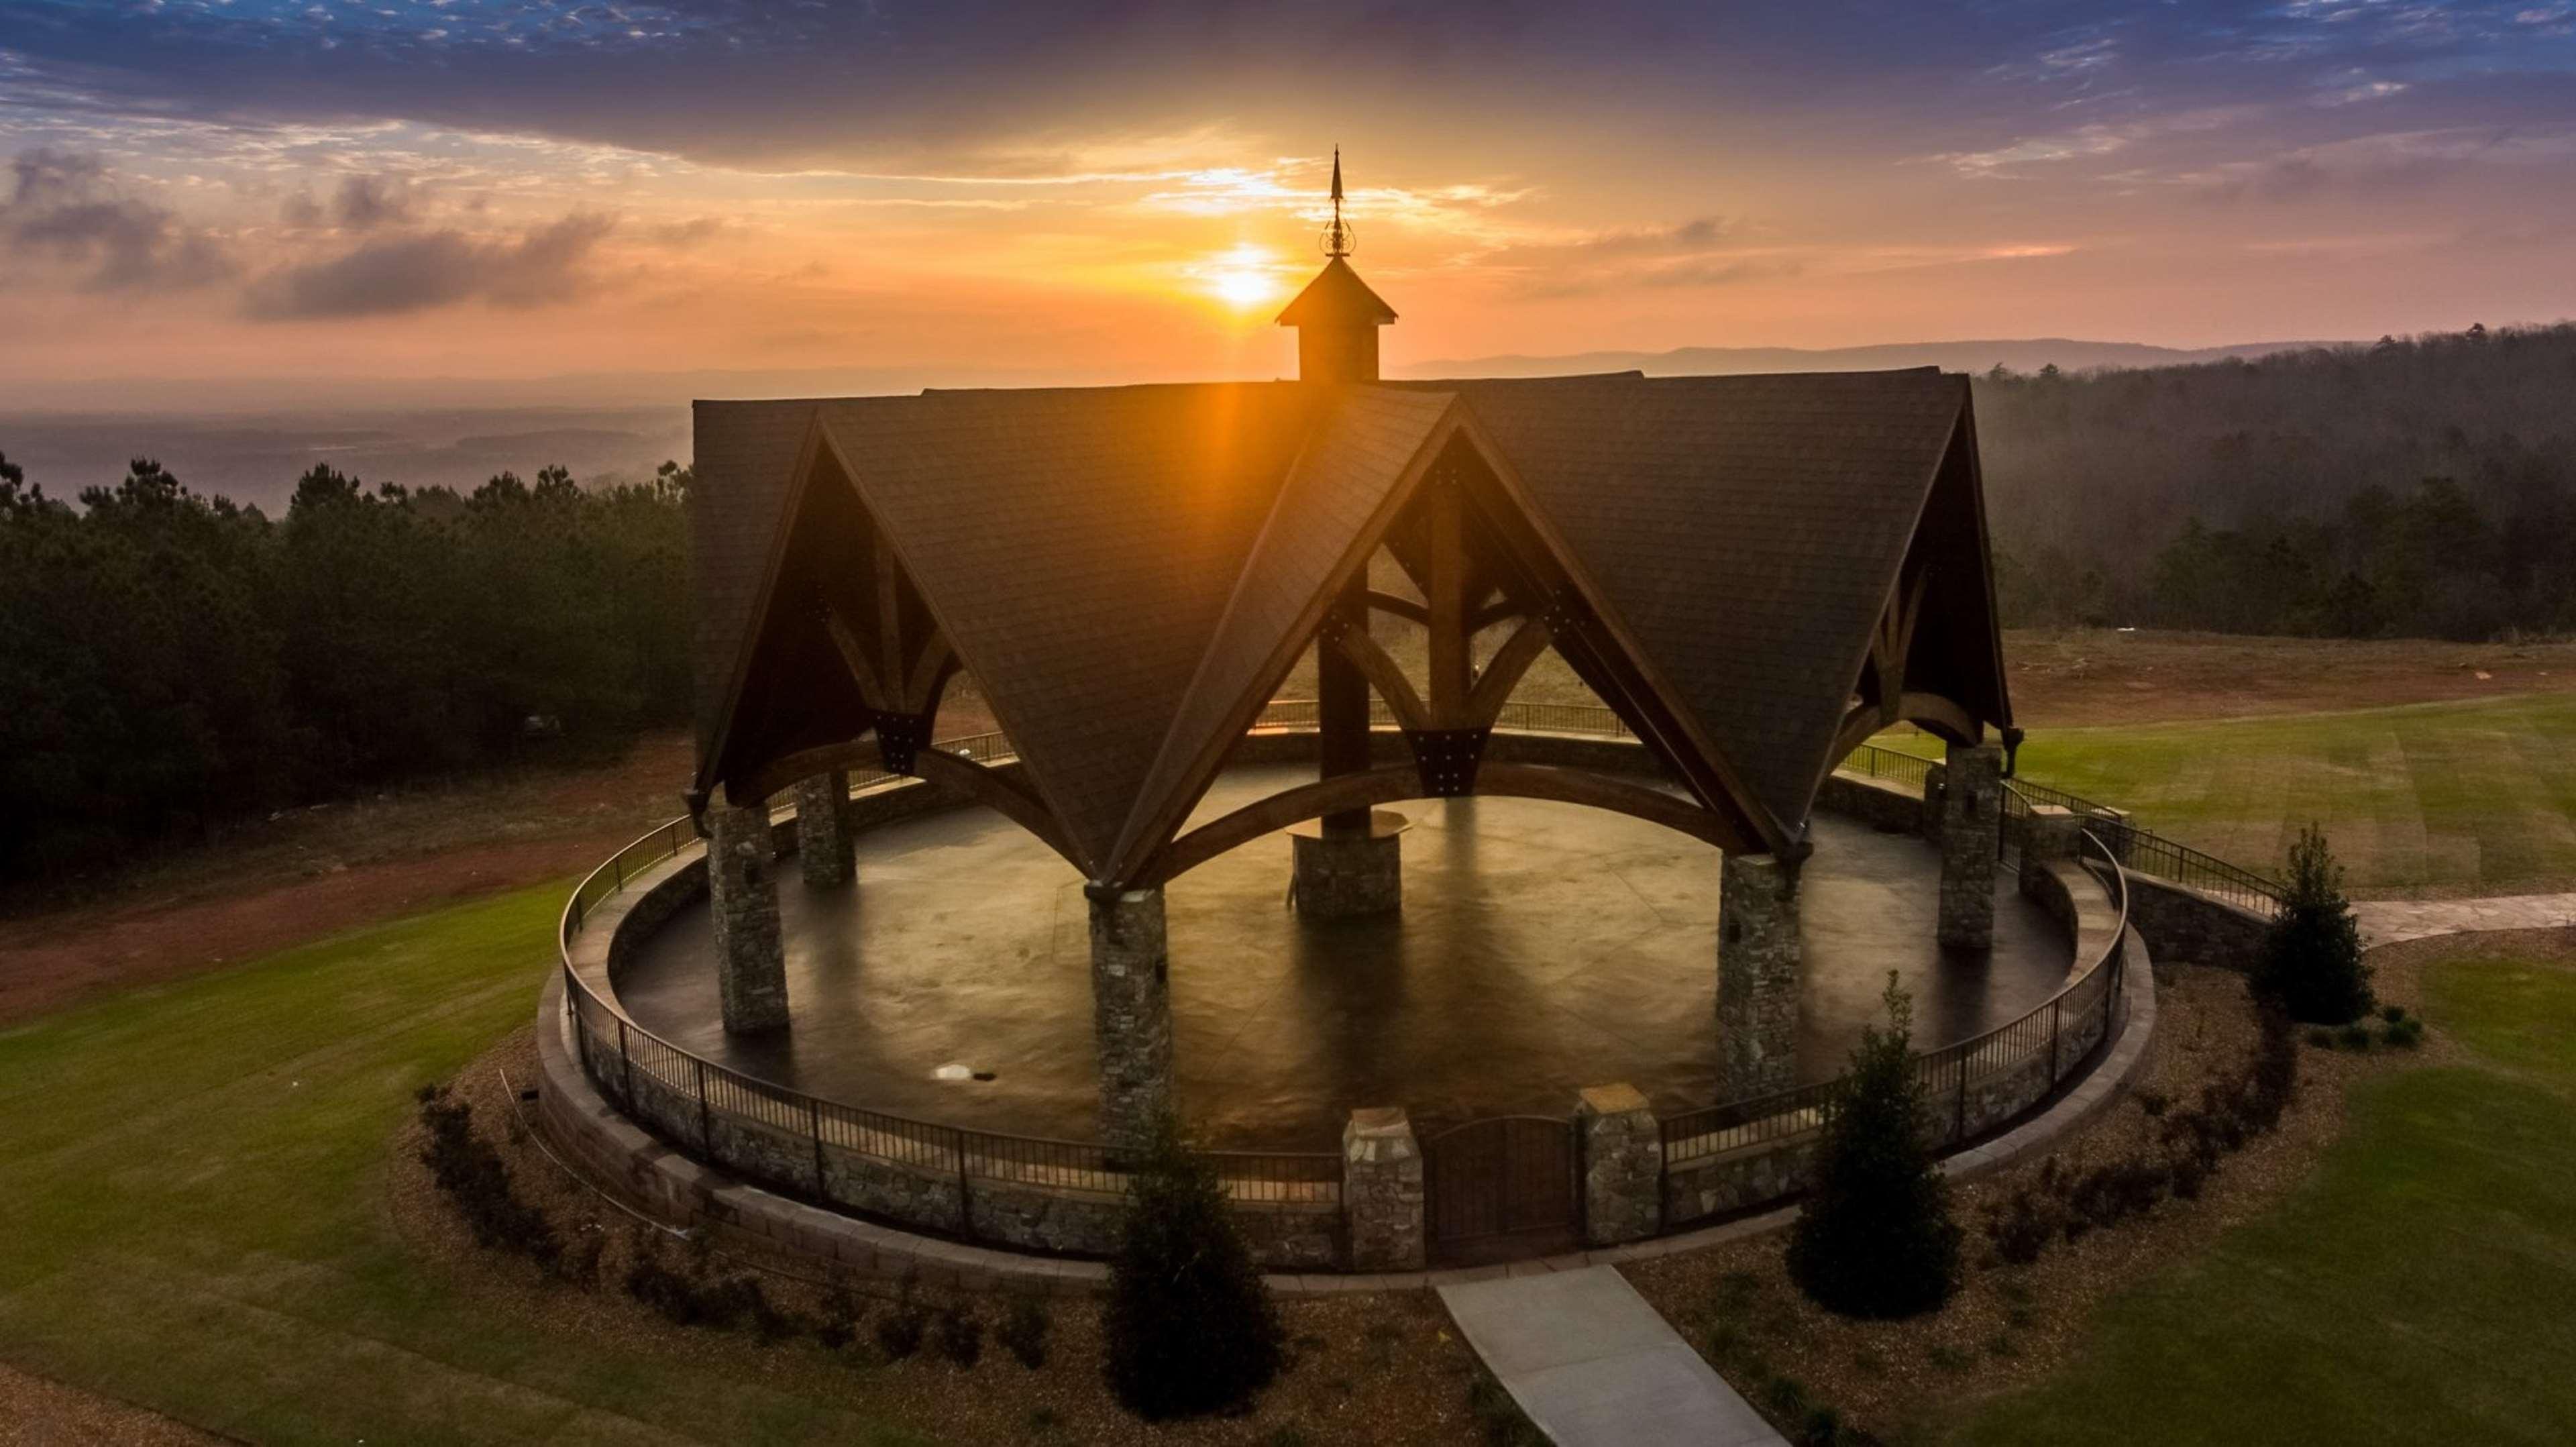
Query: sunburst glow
[(1243, 278)]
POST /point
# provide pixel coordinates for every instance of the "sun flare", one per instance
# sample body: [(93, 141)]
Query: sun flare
[(1243, 278)]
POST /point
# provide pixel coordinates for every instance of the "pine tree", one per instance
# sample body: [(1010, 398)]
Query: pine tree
[(2312, 957), (1190, 1329), (1876, 1238)]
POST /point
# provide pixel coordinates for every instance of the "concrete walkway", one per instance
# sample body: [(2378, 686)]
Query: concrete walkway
[(2388, 921), (1592, 1363)]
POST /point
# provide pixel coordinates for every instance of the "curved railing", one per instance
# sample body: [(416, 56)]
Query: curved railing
[(662, 1082), (2062, 1030)]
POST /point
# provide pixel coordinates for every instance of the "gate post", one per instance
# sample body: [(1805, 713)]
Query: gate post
[(1621, 1163), (1382, 1190)]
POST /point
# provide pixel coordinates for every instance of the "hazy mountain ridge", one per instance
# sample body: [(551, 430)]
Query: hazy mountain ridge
[(2027, 354), (250, 438)]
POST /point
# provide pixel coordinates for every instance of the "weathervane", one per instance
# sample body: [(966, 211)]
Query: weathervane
[(1339, 240)]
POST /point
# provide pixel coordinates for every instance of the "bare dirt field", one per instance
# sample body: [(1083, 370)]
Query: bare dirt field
[(2101, 676)]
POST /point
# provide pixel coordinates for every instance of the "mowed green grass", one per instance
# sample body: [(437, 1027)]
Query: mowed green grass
[(2418, 1289), (2476, 797), (193, 1210)]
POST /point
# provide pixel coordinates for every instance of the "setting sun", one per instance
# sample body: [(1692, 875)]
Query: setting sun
[(1243, 278)]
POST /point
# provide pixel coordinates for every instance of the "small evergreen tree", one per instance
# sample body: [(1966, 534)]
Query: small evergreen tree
[(2312, 958), (1876, 1238), (1190, 1329)]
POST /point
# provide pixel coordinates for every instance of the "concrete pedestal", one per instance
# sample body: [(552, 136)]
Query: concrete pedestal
[(826, 851), (1131, 1015), (1758, 959), (1972, 814), (742, 893), (1345, 873)]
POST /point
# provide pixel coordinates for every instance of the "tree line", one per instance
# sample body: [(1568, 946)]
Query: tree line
[(2419, 487), (173, 661)]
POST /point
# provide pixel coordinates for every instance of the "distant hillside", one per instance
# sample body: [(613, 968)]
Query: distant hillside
[(2027, 354)]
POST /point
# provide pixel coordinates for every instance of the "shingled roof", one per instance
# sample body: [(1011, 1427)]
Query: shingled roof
[(1127, 572)]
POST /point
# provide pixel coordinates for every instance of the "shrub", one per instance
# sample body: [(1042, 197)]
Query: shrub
[(1499, 1419), (477, 1182), (2404, 1034), (2311, 960), (1023, 1332), (651, 1279), (1822, 1428), (2153, 1102), (2392, 1013), (1189, 1327), (2022, 1228), (2355, 1036), (1876, 1238), (901, 1328), (838, 1324), (2321, 1037), (961, 1334), (1786, 1397)]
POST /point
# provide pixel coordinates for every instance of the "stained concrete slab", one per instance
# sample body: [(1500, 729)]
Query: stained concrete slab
[(1543, 947), (1592, 1363)]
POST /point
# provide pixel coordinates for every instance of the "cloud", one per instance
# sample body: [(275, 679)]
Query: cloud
[(368, 202), (64, 206), (425, 270)]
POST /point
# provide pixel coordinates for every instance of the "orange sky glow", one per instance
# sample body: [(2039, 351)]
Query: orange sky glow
[(2097, 178)]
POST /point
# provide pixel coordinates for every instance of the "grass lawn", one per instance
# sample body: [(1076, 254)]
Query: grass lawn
[(2416, 1290), (194, 1186), (2447, 798)]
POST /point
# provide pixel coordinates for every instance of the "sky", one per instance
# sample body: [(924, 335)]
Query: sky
[(498, 189)]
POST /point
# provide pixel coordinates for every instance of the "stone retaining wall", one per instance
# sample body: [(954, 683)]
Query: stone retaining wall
[(928, 1193), (2185, 926)]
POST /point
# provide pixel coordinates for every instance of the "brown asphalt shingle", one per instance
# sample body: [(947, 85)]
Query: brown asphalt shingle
[(1117, 567)]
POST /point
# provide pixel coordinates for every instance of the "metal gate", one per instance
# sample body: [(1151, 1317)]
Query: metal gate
[(1501, 1189)]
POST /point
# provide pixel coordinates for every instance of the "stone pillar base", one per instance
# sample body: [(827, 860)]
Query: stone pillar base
[(1131, 1015), (742, 894), (826, 850), (2047, 836), (1623, 1165), (1382, 1198), (1349, 873), (1758, 963), (1972, 815)]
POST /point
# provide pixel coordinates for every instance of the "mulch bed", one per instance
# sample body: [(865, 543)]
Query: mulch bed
[(1381, 1368), (2010, 1325)]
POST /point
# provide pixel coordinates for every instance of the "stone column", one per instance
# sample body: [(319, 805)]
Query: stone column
[(2047, 837), (1972, 812), (742, 894), (1382, 1190), (2114, 827), (1623, 1165), (825, 849), (1758, 954), (1131, 1013)]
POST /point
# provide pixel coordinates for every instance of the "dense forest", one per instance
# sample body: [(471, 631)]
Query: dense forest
[(2418, 487), (171, 661)]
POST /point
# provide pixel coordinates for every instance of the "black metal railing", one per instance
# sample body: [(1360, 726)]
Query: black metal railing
[(695, 1098), (1951, 1075), (2139, 849)]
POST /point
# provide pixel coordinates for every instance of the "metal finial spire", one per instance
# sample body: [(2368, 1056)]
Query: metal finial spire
[(1339, 240)]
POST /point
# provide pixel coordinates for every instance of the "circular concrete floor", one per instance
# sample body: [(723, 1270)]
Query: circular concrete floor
[(1543, 947)]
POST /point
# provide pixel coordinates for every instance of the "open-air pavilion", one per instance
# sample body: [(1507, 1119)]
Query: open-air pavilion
[(1754, 574)]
